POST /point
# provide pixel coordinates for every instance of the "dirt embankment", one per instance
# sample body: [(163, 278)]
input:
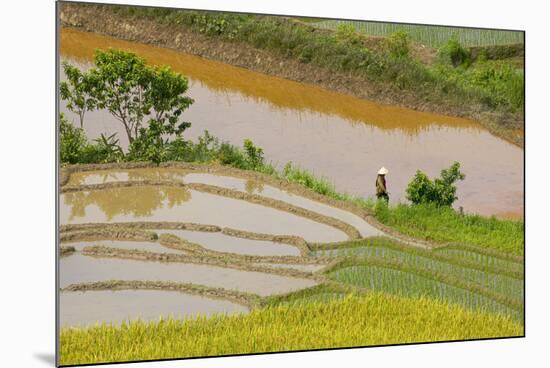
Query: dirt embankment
[(103, 20)]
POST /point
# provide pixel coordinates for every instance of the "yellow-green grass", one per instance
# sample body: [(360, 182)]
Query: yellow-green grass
[(374, 319)]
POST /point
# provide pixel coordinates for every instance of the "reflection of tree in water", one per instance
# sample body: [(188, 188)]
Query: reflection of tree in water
[(98, 176), (155, 174), (139, 201), (252, 186)]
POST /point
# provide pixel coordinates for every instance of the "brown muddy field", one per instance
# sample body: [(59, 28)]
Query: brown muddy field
[(311, 127)]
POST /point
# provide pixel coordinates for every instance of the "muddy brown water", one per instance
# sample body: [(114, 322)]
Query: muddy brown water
[(82, 309), (175, 204), (342, 138), (224, 243), (123, 244), (79, 268)]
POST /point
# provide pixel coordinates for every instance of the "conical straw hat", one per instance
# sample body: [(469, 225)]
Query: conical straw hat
[(382, 171)]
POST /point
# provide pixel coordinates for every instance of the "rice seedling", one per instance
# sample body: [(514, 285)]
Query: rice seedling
[(433, 36), (485, 259), (511, 287), (411, 284)]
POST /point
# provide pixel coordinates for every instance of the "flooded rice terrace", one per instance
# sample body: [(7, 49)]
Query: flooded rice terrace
[(172, 204), (85, 309), (224, 231), (342, 138), (247, 238)]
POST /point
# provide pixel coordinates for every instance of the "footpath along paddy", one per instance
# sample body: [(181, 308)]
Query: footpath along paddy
[(203, 239), (311, 126)]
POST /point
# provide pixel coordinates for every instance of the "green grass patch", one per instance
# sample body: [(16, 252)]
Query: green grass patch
[(443, 224), (439, 224), (375, 319)]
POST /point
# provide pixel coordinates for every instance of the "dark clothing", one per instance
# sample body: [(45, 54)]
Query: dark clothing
[(381, 192)]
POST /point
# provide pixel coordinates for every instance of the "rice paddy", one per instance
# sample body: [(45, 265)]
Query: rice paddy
[(433, 36), (374, 319), (409, 284), (291, 287)]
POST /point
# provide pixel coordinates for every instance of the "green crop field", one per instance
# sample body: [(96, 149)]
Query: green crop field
[(433, 36), (375, 319), (472, 277)]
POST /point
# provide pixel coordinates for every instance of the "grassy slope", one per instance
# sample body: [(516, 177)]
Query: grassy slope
[(446, 225), (343, 52), (426, 222), (375, 319)]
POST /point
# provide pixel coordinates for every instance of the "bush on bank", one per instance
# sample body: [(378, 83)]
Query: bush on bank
[(453, 78)]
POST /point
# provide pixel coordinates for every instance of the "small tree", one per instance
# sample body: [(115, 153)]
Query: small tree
[(130, 90), (441, 191), (76, 91)]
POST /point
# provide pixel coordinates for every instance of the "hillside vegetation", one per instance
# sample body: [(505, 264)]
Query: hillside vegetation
[(450, 78)]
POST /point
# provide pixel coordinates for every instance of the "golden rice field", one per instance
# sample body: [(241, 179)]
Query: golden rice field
[(374, 319)]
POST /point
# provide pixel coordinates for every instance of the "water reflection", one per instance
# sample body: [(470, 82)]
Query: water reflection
[(139, 201), (278, 92)]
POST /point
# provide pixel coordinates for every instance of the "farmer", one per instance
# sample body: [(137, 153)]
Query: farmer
[(381, 190)]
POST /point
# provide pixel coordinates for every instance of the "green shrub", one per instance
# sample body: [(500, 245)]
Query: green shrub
[(217, 24), (347, 33), (440, 191), (72, 141), (230, 155), (149, 145), (502, 81), (398, 44), (254, 154), (103, 150), (454, 53)]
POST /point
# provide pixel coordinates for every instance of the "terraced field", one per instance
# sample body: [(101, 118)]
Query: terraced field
[(433, 36), (201, 240)]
